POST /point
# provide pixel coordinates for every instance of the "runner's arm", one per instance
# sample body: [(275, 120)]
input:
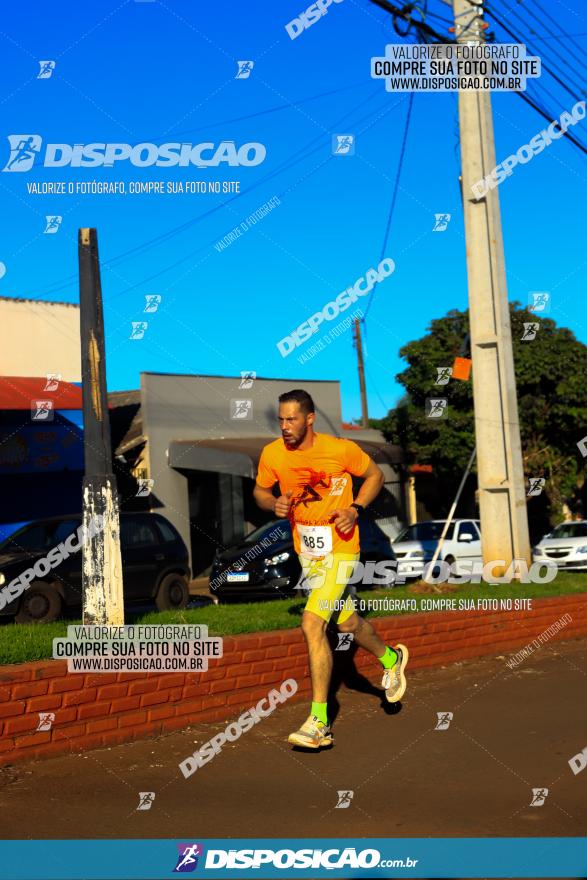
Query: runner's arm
[(345, 518), (264, 498), (267, 501), (373, 481)]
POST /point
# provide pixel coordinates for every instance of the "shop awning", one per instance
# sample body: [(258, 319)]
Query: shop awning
[(18, 392), (240, 455)]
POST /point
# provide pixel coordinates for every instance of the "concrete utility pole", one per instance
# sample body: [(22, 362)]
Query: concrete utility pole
[(412, 505), (102, 567), (502, 495), (361, 365)]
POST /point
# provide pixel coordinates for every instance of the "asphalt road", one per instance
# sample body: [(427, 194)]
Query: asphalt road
[(512, 731)]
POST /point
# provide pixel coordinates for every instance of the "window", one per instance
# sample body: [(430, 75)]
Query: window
[(32, 537), (570, 530), (59, 532), (166, 530), (469, 527), (136, 532), (425, 531)]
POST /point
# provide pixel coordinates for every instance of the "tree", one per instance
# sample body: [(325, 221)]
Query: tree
[(551, 379)]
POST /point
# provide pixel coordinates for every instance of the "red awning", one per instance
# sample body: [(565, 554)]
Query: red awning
[(18, 392), (420, 469)]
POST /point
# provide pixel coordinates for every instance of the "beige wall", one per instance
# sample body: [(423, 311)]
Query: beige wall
[(37, 338)]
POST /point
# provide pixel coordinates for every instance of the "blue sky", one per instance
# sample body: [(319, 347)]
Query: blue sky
[(136, 72)]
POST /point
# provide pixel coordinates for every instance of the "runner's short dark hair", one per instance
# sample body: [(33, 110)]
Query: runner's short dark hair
[(299, 396)]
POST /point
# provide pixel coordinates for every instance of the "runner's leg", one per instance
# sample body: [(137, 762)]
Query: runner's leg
[(319, 653), (364, 634)]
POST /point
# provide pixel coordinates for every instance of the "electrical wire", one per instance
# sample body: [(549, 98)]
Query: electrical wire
[(491, 11), (552, 63), (289, 162), (525, 97), (394, 195), (374, 386), (421, 26), (566, 36), (266, 112), (389, 7), (561, 36), (191, 254)]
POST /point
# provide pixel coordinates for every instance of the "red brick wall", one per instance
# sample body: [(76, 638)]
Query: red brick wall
[(93, 710)]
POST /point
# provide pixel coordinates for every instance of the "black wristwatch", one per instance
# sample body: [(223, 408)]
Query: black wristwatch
[(359, 508)]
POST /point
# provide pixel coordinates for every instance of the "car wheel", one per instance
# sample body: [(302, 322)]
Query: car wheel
[(40, 604), (173, 593)]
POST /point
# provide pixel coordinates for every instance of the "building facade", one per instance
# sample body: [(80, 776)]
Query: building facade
[(194, 442)]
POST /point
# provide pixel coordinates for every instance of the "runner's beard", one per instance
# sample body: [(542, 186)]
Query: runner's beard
[(294, 442)]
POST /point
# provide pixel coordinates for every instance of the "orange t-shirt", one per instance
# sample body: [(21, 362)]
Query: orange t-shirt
[(320, 481)]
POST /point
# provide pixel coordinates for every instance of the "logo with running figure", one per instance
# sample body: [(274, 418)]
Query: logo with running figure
[(539, 796), (24, 148), (345, 640), (187, 860), (444, 719), (343, 145), (46, 69), (244, 69), (53, 223), (344, 800), (310, 482), (338, 485)]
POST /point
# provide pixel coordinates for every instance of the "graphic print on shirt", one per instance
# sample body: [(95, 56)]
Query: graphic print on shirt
[(308, 483)]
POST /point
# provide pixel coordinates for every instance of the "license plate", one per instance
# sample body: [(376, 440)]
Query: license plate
[(237, 577)]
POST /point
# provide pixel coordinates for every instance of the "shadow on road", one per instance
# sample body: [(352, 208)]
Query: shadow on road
[(345, 672)]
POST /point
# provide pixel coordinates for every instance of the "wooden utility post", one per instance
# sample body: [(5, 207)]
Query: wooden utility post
[(502, 495), (102, 567), (361, 366)]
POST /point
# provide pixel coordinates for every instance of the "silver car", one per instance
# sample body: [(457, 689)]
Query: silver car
[(415, 545), (566, 545)]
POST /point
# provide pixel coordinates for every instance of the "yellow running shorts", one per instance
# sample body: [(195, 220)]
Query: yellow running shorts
[(329, 599)]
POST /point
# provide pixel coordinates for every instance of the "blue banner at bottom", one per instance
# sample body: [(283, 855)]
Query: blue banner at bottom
[(284, 858)]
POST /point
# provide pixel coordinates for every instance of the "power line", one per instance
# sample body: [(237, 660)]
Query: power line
[(532, 102), (372, 383), (561, 36), (290, 161), (192, 254), (525, 97), (567, 36), (439, 18), (551, 62), (420, 26), (493, 14), (394, 10), (395, 191), (247, 116)]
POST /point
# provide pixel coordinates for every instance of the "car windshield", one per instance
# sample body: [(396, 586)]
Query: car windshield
[(424, 531), (40, 536), (570, 530), (277, 530), (31, 537)]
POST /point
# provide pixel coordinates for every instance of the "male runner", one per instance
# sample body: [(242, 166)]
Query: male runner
[(314, 475)]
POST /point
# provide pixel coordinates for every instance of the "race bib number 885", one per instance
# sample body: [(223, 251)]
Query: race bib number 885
[(315, 540)]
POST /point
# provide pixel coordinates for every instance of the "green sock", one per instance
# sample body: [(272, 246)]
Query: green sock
[(389, 659), (319, 710)]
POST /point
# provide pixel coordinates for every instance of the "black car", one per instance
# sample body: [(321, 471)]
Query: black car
[(155, 565), (265, 565)]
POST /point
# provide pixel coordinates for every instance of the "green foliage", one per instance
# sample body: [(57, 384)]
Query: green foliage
[(21, 643), (551, 372)]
